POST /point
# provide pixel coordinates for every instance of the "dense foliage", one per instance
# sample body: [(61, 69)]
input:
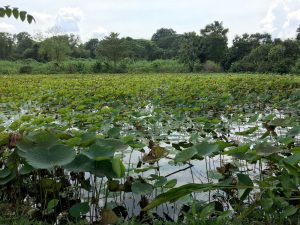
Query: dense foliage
[(207, 51), (188, 149)]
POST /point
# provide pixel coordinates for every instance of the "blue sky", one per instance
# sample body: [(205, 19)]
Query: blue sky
[(141, 18)]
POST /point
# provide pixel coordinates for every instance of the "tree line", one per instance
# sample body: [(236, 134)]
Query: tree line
[(207, 49)]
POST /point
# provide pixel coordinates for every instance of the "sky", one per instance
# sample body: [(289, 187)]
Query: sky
[(141, 18)]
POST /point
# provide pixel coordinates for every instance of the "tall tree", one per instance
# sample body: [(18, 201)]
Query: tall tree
[(168, 41), (24, 43), (55, 48), (6, 46), (111, 48), (189, 50), (215, 41), (298, 33), (243, 45), (91, 46)]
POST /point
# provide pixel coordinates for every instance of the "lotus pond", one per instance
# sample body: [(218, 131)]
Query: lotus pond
[(150, 149)]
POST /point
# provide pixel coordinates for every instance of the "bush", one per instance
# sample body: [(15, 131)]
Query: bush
[(198, 67), (25, 69), (241, 66), (157, 66), (212, 67), (296, 68), (97, 67)]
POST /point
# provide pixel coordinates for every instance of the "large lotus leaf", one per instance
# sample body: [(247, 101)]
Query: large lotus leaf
[(186, 154), (104, 149), (42, 138), (48, 158), (23, 146), (4, 173), (114, 132), (87, 139), (104, 168), (117, 145), (7, 177), (206, 149), (97, 152), (238, 152), (79, 209), (265, 149), (26, 169), (81, 163)]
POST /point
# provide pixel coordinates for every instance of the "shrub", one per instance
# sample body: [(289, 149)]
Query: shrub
[(296, 68), (198, 67), (212, 67), (241, 66), (97, 67), (25, 69)]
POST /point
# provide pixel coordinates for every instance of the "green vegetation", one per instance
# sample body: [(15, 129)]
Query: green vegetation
[(208, 51), (150, 149), (91, 66), (7, 11)]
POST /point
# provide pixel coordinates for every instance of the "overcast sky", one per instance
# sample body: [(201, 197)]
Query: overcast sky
[(141, 18)]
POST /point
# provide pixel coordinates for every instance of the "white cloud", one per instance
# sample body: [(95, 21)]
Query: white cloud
[(99, 32), (282, 19), (43, 21), (67, 21), (5, 27)]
